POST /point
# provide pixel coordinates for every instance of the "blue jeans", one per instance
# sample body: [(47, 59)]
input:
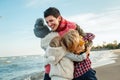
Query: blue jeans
[(47, 77), (89, 75)]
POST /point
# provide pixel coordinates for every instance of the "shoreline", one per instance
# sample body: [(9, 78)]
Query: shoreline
[(106, 72), (110, 71)]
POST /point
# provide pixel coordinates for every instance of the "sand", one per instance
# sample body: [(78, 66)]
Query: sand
[(111, 71)]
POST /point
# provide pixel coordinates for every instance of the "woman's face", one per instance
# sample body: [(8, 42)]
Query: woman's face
[(53, 22)]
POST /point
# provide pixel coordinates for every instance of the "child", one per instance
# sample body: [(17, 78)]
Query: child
[(54, 55), (74, 43), (72, 37), (61, 67)]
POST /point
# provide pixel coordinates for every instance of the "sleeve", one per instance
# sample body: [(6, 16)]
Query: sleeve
[(89, 39), (49, 60), (89, 44), (46, 40), (80, 30), (45, 60), (57, 52), (75, 57)]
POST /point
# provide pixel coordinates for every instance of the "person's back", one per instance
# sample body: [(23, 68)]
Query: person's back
[(61, 67)]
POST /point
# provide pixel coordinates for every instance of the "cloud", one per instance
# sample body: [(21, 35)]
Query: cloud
[(39, 3), (99, 21), (104, 25), (32, 3)]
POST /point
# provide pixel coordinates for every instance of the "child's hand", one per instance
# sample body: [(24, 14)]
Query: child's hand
[(88, 50), (87, 54)]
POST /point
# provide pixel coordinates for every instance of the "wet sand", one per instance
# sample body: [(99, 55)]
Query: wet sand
[(110, 71)]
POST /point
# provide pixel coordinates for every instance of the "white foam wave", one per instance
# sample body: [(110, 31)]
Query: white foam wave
[(101, 58)]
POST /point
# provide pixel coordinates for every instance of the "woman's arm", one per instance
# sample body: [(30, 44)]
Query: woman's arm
[(80, 30), (75, 57)]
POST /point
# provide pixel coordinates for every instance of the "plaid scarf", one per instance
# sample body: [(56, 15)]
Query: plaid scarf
[(65, 26)]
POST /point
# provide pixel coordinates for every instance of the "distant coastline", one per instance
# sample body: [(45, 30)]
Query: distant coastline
[(107, 46)]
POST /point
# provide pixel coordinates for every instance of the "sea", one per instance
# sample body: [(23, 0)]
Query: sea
[(15, 67)]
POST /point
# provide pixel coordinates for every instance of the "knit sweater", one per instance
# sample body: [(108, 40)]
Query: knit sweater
[(46, 40), (61, 66)]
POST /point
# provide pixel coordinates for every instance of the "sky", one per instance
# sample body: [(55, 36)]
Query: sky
[(17, 19)]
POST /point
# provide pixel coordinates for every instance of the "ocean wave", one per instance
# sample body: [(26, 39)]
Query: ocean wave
[(32, 67), (32, 76)]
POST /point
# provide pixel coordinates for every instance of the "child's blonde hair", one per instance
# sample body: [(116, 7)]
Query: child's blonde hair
[(69, 40)]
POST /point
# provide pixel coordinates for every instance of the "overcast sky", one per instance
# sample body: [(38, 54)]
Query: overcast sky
[(17, 18)]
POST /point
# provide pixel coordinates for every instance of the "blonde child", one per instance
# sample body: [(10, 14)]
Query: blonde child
[(74, 43)]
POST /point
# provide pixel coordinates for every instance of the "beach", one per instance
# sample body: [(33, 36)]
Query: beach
[(110, 71), (105, 62)]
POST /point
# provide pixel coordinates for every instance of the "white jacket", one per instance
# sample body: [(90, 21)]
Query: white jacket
[(46, 40), (62, 68)]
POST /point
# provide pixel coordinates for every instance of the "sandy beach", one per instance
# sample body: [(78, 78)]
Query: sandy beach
[(111, 71)]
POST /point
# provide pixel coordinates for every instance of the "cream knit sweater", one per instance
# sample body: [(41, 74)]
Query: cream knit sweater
[(61, 66)]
